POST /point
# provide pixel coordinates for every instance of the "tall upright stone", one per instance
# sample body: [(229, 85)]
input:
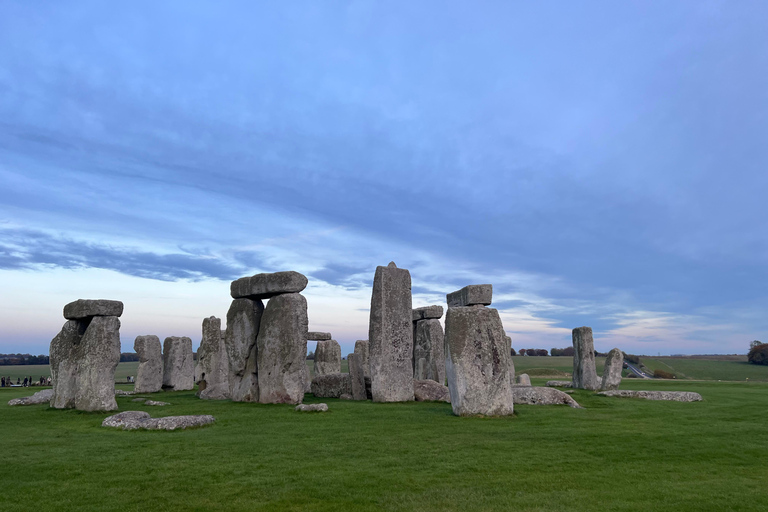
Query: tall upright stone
[(327, 357), (243, 323), (390, 335), (178, 364), (356, 376), (614, 363), (361, 349), (149, 375), (212, 370), (584, 373), (477, 358), (282, 349), (508, 341), (429, 351)]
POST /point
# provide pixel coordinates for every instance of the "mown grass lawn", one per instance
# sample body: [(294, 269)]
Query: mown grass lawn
[(616, 454), (708, 368)]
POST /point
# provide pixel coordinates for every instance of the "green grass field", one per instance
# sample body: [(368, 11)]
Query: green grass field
[(708, 368)]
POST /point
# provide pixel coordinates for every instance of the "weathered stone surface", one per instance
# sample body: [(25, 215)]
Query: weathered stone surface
[(427, 312), (361, 349), (508, 342), (522, 380), (543, 396), (212, 370), (430, 391), (178, 365), (156, 402), (584, 374), (345, 396), (675, 396), (41, 397), (612, 372), (318, 336), (86, 308), (282, 349), (312, 407), (120, 392), (139, 399), (149, 375), (429, 345), (331, 385), (307, 379), (559, 383), (266, 286), (243, 323), (390, 335), (84, 356), (134, 420), (356, 376), (327, 357), (477, 362), (471, 295)]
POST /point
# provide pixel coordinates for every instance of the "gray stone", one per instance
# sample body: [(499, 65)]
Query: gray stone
[(474, 294), (523, 380), (345, 396), (212, 370), (243, 323), (543, 396), (390, 335), (266, 286), (429, 345), (361, 349), (674, 396), (327, 357), (584, 374), (41, 397), (307, 379), (477, 362), (427, 312), (140, 399), (85, 308), (178, 364), (83, 359), (612, 372), (156, 402), (332, 385), (559, 383), (356, 376), (282, 349), (120, 392), (149, 375), (312, 408), (508, 341), (430, 391), (318, 336), (135, 420)]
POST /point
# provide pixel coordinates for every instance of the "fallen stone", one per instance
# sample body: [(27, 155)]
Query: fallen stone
[(331, 385), (543, 396), (345, 396), (430, 391), (473, 294), (356, 376), (140, 399), (41, 397), (674, 396), (265, 286), (522, 380), (282, 350), (155, 402), (559, 383), (212, 369), (361, 349), (612, 372), (429, 346), (85, 308), (243, 323), (178, 364), (318, 336), (135, 420), (312, 408), (390, 335), (327, 357), (149, 375), (427, 312), (584, 374)]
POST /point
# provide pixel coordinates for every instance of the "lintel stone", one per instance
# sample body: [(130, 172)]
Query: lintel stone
[(264, 286), (85, 308), (471, 295), (318, 336), (427, 312)]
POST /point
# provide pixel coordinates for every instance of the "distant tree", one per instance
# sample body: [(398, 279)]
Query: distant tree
[(530, 351), (513, 352), (311, 355), (758, 354), (754, 343), (630, 358), (542, 352), (126, 357)]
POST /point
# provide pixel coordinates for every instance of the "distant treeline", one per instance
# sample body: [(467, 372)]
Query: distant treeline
[(20, 359)]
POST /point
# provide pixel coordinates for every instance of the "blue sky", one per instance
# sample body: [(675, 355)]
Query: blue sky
[(599, 163)]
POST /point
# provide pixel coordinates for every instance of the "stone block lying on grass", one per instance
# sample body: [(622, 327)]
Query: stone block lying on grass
[(430, 391), (120, 392), (312, 408), (135, 420), (542, 396), (559, 384), (156, 402), (41, 397), (674, 396)]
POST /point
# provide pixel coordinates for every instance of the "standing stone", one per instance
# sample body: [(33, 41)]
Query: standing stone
[(584, 374), (523, 380), (361, 349), (428, 344), (508, 341), (64, 361), (282, 349), (178, 364), (477, 362), (307, 379), (356, 376), (243, 322), (614, 363), (390, 335), (149, 376), (327, 357), (212, 370)]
